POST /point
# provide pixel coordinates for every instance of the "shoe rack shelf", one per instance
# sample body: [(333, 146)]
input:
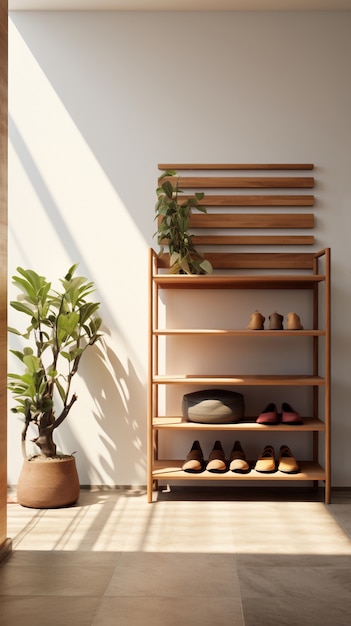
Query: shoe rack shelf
[(241, 271), (172, 470)]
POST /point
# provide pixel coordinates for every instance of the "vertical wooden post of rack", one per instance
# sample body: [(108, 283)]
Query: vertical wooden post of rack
[(151, 390), (315, 391), (327, 378), (155, 366)]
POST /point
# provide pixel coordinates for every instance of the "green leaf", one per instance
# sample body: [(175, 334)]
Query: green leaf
[(23, 308), (199, 195), (71, 271), (168, 189), (168, 173), (32, 363), (206, 266)]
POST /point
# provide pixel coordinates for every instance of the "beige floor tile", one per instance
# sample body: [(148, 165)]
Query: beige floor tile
[(39, 610), (308, 596), (174, 575), (54, 581), (156, 611), (62, 558)]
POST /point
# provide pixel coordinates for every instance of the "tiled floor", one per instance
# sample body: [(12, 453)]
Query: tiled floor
[(205, 558)]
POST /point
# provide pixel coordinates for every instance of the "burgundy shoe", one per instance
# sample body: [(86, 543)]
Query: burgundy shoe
[(289, 415), (269, 416)]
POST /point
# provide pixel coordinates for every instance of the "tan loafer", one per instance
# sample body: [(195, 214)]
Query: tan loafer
[(266, 462), (256, 321), (294, 322), (287, 463)]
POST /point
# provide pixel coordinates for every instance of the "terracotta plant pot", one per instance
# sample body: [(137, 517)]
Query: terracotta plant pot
[(48, 483)]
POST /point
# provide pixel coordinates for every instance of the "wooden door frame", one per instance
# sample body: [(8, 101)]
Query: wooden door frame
[(5, 542)]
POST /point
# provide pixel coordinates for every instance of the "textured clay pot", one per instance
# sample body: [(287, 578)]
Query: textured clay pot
[(48, 483)]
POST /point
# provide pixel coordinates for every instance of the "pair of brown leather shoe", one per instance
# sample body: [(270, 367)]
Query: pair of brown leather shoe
[(270, 415), (293, 321), (237, 460), (275, 321), (195, 463), (286, 461)]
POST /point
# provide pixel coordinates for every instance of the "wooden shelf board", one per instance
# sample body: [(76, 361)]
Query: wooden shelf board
[(172, 470), (245, 380), (239, 333), (220, 281), (249, 424)]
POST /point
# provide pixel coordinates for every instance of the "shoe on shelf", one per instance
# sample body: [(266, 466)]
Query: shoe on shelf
[(216, 460), (237, 460), (256, 321), (287, 463), (269, 415), (266, 461), (289, 415), (276, 321), (194, 462), (294, 322)]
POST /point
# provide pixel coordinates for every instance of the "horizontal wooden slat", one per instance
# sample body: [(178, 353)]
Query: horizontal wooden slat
[(277, 200), (264, 260), (254, 260), (235, 166), (218, 195), (252, 220), (252, 240), (244, 182)]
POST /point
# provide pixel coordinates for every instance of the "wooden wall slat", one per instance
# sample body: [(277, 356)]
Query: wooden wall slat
[(245, 182), (252, 220), (257, 201), (235, 166), (252, 240), (255, 260)]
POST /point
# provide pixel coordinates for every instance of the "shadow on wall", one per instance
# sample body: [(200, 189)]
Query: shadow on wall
[(109, 445)]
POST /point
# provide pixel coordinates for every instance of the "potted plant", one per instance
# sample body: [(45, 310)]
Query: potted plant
[(63, 324), (173, 227)]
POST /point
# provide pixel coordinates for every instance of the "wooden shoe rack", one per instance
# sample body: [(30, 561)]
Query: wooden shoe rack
[(236, 207)]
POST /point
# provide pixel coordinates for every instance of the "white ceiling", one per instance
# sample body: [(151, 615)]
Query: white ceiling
[(179, 5)]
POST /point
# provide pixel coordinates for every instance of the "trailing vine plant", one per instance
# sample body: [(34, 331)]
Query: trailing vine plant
[(173, 217)]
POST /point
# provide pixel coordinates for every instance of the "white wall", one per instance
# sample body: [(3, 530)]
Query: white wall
[(96, 101)]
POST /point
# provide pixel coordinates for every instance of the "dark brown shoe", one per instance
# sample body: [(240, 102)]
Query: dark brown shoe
[(237, 460), (216, 461), (194, 462), (276, 321)]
